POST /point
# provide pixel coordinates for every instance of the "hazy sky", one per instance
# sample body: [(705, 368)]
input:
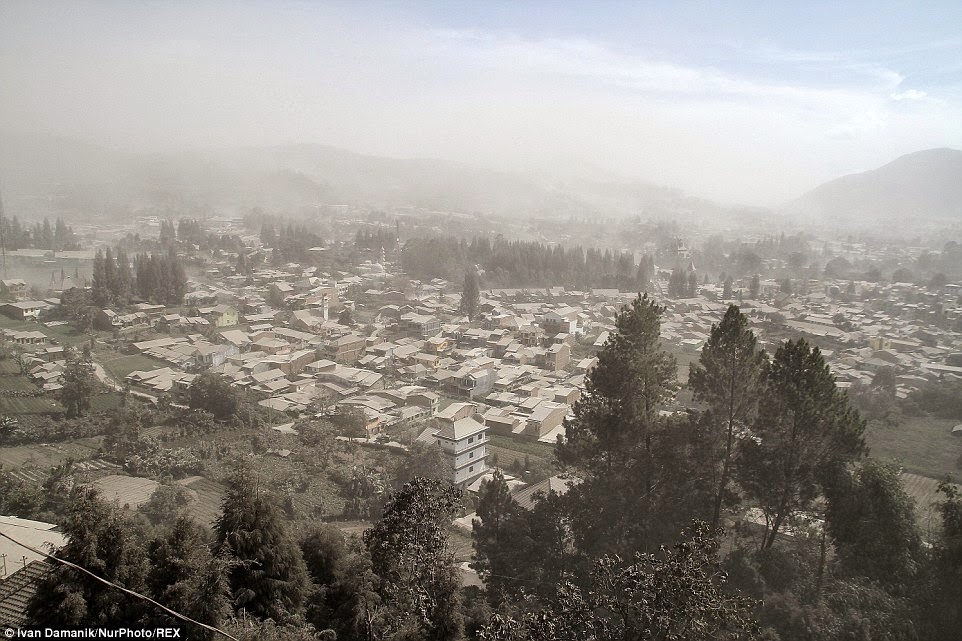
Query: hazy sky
[(748, 102)]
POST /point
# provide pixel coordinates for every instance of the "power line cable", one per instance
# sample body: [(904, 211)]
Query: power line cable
[(132, 593)]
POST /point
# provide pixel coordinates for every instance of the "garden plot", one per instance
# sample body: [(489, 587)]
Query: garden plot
[(127, 491), (206, 496), (45, 456), (925, 492)]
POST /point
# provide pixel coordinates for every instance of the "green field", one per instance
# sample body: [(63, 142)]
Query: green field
[(925, 492), (206, 497), (16, 382), (922, 445), (684, 357), (46, 456), (119, 366), (511, 450), (65, 334), (522, 446), (31, 405), (105, 402), (9, 366)]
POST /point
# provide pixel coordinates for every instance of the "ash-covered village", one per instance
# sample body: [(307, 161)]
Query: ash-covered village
[(490, 375)]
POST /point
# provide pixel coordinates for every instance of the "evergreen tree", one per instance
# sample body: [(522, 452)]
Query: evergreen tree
[(101, 290), (78, 382), (677, 284), (124, 278), (168, 233), (161, 278), (270, 579), (324, 551), (755, 287), (101, 539), (186, 578), (419, 580), (728, 379), (615, 438), (806, 430), (872, 522), (110, 276), (471, 296), (942, 597), (642, 276), (502, 541), (46, 235), (213, 393), (678, 595), (727, 291), (178, 283)]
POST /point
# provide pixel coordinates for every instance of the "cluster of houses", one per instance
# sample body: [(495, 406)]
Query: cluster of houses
[(516, 370)]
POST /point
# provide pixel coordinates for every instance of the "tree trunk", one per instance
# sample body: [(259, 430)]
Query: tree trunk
[(726, 469), (821, 564), (779, 517)]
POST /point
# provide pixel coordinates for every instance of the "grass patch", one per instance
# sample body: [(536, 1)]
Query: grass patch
[(31, 405), (522, 446), (206, 498), (925, 492), (684, 357), (128, 491), (922, 445), (9, 366), (506, 458), (45, 456), (105, 402), (21, 326), (65, 334), (16, 383), (118, 367)]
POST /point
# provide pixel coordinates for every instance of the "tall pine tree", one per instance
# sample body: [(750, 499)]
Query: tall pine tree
[(615, 439), (728, 379), (806, 430), (471, 296)]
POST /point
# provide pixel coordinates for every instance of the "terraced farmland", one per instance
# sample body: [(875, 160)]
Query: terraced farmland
[(45, 456), (206, 498), (128, 491)]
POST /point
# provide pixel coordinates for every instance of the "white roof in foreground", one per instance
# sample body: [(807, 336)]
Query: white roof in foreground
[(36, 534)]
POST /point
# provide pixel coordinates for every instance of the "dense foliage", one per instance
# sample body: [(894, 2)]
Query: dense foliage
[(78, 382), (41, 235), (525, 264), (289, 243)]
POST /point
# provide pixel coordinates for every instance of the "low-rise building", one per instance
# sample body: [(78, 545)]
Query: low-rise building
[(345, 349), (14, 288), (24, 310)]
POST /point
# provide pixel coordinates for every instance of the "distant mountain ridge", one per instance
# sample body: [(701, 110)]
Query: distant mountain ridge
[(42, 174), (924, 186)]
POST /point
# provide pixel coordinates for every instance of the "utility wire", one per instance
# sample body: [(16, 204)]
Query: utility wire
[(138, 595)]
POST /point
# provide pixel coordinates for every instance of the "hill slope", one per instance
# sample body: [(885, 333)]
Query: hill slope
[(49, 176), (921, 187)]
